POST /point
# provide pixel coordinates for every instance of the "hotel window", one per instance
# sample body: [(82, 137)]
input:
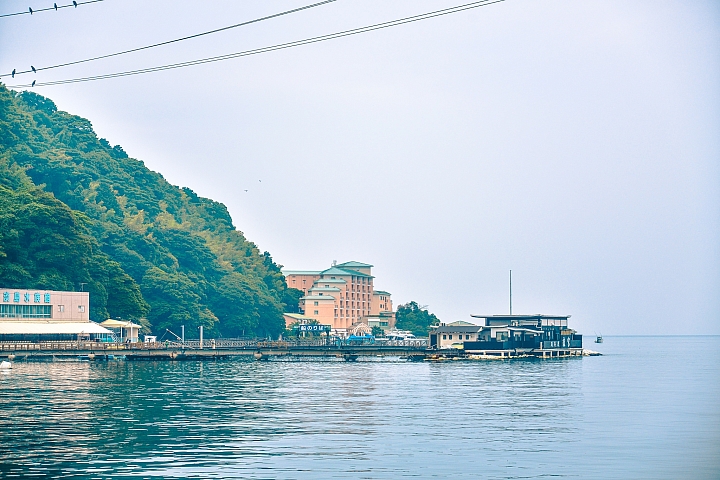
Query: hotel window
[(61, 308), (449, 337), (316, 312), (467, 337), (81, 308), (316, 303), (444, 337)]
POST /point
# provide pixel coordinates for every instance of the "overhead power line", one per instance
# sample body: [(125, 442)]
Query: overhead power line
[(322, 38), (268, 17), (55, 7)]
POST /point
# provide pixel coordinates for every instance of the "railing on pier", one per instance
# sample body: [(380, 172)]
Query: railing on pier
[(217, 344)]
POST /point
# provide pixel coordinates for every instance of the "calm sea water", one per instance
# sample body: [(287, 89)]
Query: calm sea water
[(648, 409)]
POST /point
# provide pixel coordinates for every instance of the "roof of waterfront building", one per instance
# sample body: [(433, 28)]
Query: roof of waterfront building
[(354, 264), (34, 327), (525, 317), (330, 280), (112, 323), (458, 328), (461, 323), (298, 316), (317, 297), (340, 271), (301, 272), (381, 292), (324, 289)]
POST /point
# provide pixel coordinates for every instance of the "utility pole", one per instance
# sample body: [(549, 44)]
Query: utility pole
[(510, 292)]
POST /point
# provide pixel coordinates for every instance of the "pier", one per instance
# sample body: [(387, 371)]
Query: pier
[(210, 349), (414, 350)]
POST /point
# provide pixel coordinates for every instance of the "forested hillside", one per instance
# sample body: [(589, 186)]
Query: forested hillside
[(75, 209)]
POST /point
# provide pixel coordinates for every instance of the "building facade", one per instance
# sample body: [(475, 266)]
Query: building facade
[(44, 315), (342, 296), (501, 333)]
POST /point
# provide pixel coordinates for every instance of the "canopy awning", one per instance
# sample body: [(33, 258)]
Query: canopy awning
[(51, 328), (110, 323)]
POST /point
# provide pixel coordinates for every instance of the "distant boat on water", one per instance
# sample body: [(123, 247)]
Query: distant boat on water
[(599, 339)]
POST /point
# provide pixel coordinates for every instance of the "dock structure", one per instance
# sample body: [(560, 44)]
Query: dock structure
[(211, 349), (541, 336), (501, 337)]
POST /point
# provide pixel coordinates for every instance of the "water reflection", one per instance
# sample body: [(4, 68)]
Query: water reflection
[(497, 419)]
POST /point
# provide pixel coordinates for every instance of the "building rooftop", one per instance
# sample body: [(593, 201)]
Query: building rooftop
[(329, 280), (35, 327), (382, 292), (298, 316), (112, 323), (459, 329), (354, 264), (537, 316), (300, 272), (318, 297), (340, 271), (324, 289)]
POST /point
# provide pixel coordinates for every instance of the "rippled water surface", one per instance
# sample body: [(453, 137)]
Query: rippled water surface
[(648, 409)]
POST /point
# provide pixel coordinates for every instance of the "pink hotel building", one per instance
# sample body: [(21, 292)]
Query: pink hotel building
[(341, 296)]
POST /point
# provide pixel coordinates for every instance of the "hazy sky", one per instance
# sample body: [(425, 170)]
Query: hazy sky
[(574, 142)]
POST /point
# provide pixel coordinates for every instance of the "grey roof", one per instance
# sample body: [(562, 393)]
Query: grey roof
[(462, 329), (382, 292), (318, 297), (524, 317)]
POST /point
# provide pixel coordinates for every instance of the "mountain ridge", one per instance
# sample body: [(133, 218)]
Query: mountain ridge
[(180, 252)]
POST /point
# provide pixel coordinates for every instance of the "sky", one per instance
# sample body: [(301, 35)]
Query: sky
[(576, 143)]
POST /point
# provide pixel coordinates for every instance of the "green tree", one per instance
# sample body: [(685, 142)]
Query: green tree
[(46, 245), (291, 299), (84, 211), (411, 317)]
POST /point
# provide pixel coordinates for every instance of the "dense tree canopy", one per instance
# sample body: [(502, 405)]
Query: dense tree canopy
[(75, 209), (412, 317)]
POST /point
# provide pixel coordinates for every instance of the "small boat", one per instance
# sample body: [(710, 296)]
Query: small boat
[(5, 364), (598, 339)]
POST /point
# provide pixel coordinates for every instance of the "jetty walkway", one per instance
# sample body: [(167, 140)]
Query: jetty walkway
[(211, 349)]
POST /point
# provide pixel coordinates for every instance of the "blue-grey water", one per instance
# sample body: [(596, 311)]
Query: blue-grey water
[(648, 409)]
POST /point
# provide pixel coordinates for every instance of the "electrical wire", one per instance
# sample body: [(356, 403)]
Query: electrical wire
[(306, 7), (321, 38), (54, 7)]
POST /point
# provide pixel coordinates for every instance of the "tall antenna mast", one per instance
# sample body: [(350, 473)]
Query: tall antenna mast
[(510, 292)]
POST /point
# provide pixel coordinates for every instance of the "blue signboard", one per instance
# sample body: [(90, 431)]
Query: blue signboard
[(36, 297), (313, 328)]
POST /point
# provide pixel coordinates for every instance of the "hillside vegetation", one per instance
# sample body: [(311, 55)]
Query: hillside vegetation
[(74, 209)]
